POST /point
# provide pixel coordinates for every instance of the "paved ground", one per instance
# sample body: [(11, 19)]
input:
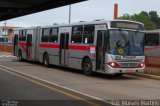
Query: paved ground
[(26, 91), (23, 90), (7, 57), (101, 86), (16, 88)]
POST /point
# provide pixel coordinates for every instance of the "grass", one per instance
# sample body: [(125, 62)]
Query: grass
[(157, 73), (153, 71)]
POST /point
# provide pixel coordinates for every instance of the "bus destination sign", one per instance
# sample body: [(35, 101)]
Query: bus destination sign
[(126, 25)]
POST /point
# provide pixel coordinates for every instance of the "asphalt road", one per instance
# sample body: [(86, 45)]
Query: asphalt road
[(26, 92), (21, 90), (100, 86)]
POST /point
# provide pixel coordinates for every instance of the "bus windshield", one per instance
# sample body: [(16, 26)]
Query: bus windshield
[(126, 43)]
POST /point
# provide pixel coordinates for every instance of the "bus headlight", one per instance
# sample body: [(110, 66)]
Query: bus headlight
[(114, 65), (141, 65)]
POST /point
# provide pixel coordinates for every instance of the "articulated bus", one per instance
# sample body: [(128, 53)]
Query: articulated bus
[(111, 47), (152, 48)]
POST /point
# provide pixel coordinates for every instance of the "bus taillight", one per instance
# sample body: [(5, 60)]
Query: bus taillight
[(114, 65), (141, 65)]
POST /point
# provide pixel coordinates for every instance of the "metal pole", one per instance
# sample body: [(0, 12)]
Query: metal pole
[(5, 29), (70, 13)]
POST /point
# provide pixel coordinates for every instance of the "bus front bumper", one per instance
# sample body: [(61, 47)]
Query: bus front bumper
[(111, 70)]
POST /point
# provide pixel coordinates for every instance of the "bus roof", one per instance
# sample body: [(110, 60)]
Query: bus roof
[(95, 22), (152, 31)]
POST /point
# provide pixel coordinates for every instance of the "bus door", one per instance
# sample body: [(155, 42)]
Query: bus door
[(100, 50), (29, 46), (15, 45), (64, 38)]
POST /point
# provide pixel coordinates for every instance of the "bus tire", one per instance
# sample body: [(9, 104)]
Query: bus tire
[(118, 75), (87, 67), (20, 55), (46, 60)]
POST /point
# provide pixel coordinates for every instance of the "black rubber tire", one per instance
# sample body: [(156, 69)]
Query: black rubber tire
[(20, 56), (87, 67), (46, 60)]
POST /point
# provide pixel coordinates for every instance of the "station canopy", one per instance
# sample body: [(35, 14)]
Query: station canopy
[(15, 8)]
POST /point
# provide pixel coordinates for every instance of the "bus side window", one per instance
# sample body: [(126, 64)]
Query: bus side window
[(2, 40), (22, 35), (29, 39), (152, 39), (88, 35), (77, 34), (53, 35), (45, 35)]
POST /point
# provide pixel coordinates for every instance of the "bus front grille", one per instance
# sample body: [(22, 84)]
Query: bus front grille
[(128, 65)]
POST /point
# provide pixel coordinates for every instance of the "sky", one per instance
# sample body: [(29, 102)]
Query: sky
[(85, 11)]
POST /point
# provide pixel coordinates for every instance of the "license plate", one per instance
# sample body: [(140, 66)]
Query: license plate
[(129, 71), (129, 57)]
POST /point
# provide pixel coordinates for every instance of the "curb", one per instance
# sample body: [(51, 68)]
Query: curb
[(146, 76), (5, 52)]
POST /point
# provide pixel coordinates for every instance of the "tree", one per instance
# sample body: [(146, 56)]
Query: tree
[(144, 13), (125, 17), (155, 18), (149, 25), (142, 17)]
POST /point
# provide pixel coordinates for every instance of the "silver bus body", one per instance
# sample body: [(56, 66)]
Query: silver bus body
[(33, 44)]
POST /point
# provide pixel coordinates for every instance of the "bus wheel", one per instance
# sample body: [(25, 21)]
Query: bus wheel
[(46, 60), (20, 56), (87, 67), (118, 75)]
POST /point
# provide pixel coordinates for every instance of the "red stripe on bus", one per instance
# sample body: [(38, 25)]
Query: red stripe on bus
[(49, 45), (77, 47), (72, 47), (23, 45), (151, 48)]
